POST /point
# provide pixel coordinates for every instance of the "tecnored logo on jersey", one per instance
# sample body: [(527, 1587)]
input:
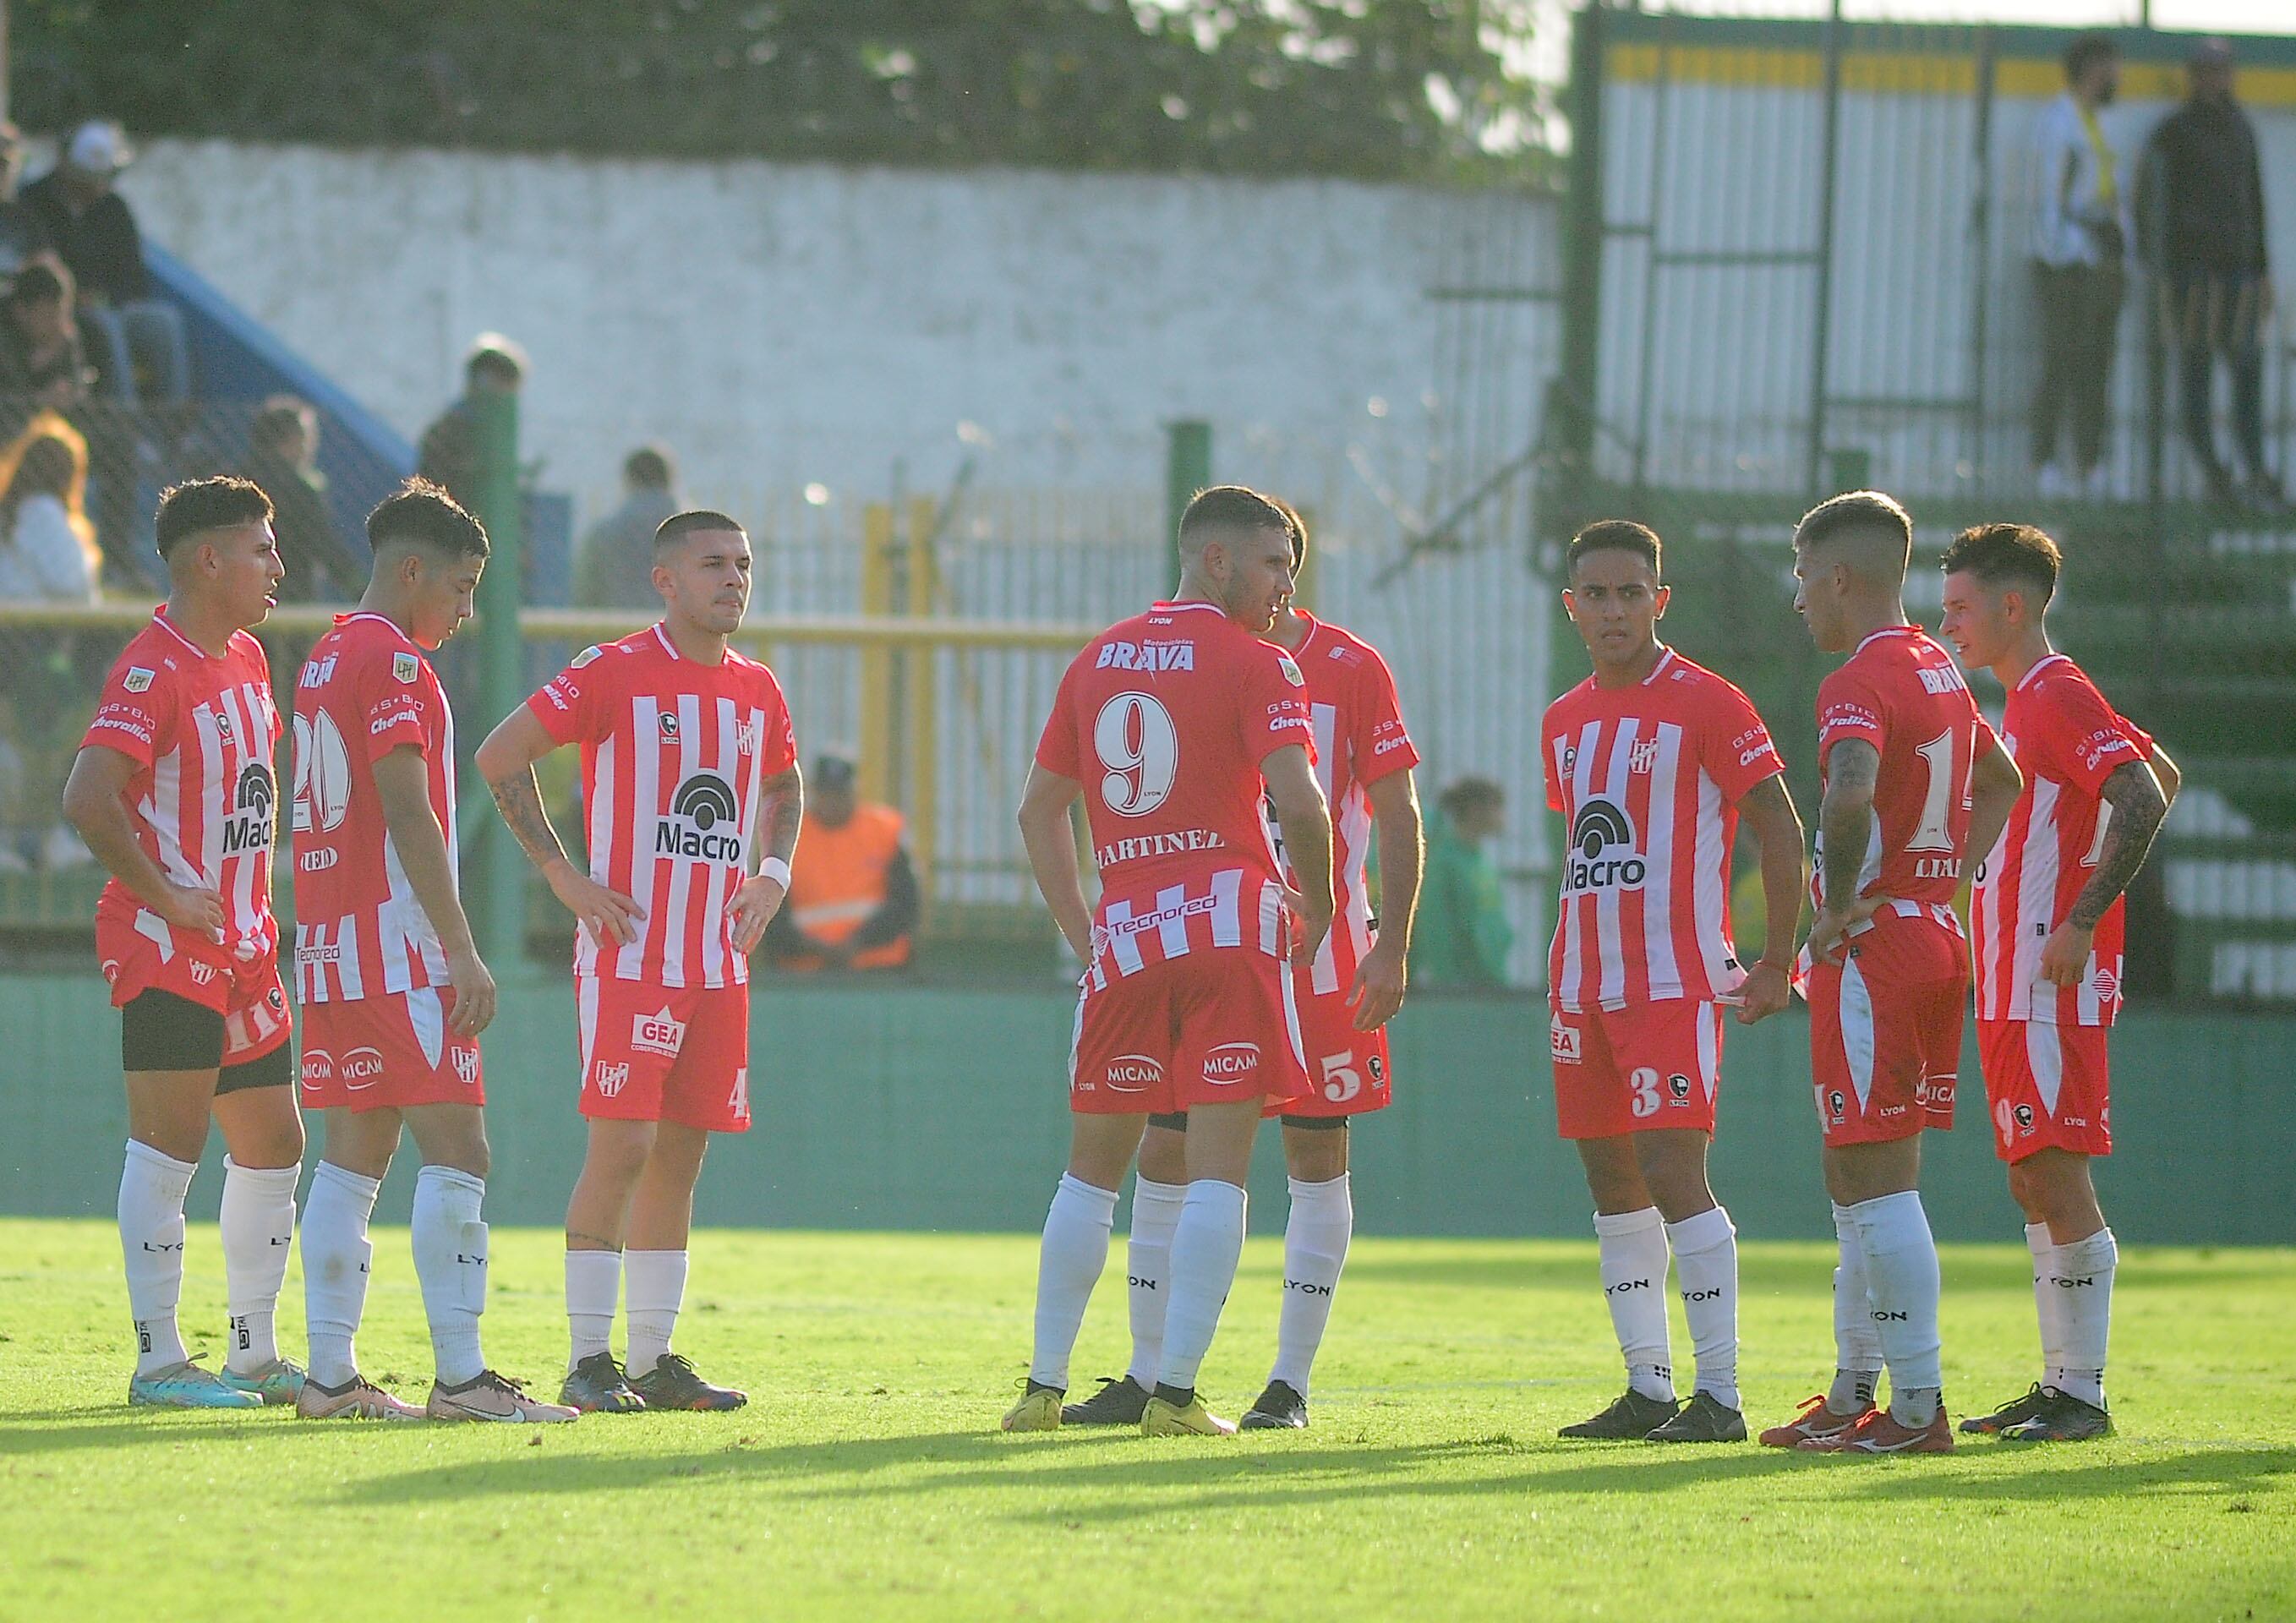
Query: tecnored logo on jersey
[(700, 822), (657, 1033), (1603, 854)]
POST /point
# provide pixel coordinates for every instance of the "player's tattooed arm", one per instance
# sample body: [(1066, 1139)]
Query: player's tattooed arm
[(518, 798), (506, 761), (1845, 823), (1769, 809), (761, 895), (2133, 811)]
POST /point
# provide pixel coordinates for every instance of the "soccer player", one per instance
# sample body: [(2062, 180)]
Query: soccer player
[(689, 767), (1914, 780), (2048, 927), (173, 791), (393, 991), (1364, 758), (1171, 724), (1652, 760)]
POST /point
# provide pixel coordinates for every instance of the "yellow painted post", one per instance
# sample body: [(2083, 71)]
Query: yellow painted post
[(1303, 589), (876, 741), (921, 708)]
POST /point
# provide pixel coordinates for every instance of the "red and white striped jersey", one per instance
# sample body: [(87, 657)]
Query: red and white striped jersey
[(1359, 739), (674, 753), (202, 732), (1648, 778), (2067, 740), (1164, 719), (360, 931)]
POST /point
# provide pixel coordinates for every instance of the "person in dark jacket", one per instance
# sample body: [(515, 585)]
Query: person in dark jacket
[(125, 320), (282, 453), (2204, 203), (448, 454)]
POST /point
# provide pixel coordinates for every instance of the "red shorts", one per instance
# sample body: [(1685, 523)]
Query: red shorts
[(664, 1053), (388, 1053), (1631, 1070), (142, 954), (2048, 1086), (1216, 1027), (1347, 1069), (1885, 1023)]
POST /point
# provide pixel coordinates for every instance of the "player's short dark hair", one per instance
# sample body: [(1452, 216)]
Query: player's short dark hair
[(692, 522), (421, 514), (223, 501), (1239, 507), (648, 468), (2006, 554), (1857, 509), (2091, 47), (1616, 536)]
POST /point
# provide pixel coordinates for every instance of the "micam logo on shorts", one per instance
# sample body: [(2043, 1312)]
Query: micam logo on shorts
[(1232, 1062), (1602, 827), (701, 822), (659, 1033), (1133, 1073)]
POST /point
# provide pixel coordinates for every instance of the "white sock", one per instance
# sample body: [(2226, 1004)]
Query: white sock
[(1901, 1275), (1206, 1244), (593, 1283), (657, 1289), (2046, 1307), (258, 1226), (1857, 1343), (1705, 1272), (1315, 1235), (450, 1263), (336, 1256), (1632, 1245), (151, 1188), (1074, 1252), (2081, 1277), (1148, 1262)]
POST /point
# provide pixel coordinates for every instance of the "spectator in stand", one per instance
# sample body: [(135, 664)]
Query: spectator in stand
[(47, 554), (283, 460), (95, 232), (614, 566), (1462, 938), (47, 547), (41, 361), (2079, 245), (852, 899), (2203, 211), (449, 451), (23, 237)]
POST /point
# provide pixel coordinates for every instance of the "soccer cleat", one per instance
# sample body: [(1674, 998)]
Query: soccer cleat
[(358, 1398), (1704, 1419), (1814, 1422), (2016, 1411), (488, 1396), (597, 1386), (281, 1380), (1278, 1409), (2064, 1418), (1630, 1418), (672, 1384), (1162, 1418), (1880, 1433), (1038, 1410), (187, 1386), (1117, 1403)]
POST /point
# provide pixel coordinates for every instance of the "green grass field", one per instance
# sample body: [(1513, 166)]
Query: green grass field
[(867, 1477)]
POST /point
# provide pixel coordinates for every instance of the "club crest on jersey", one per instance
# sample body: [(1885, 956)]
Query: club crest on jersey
[(1602, 854), (466, 1067), (249, 826), (1644, 758), (660, 1033), (701, 823), (404, 667), (138, 680), (610, 1079)]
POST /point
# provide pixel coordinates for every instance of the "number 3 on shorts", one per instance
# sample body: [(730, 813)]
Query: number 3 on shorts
[(1341, 1082), (1645, 1082)]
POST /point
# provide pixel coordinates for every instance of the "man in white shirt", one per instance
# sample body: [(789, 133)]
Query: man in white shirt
[(2081, 229)]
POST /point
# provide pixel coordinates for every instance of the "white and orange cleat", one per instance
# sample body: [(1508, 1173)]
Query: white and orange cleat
[(1880, 1433), (488, 1396), (358, 1398), (1816, 1421)]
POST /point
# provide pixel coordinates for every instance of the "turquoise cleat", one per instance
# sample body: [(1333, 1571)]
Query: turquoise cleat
[(281, 1380), (187, 1386)]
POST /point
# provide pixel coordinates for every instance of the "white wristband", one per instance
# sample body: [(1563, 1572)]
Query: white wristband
[(773, 868)]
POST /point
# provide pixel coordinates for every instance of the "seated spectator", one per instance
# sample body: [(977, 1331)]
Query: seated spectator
[(41, 360), (129, 326), (853, 894), (23, 237), (613, 568), (47, 554), (47, 547), (1462, 938), (448, 454), (282, 459)]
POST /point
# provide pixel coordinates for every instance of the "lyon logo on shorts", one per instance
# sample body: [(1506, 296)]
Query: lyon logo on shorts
[(1232, 1062), (466, 1067), (610, 1079), (657, 1033), (1133, 1073), (1563, 1041)]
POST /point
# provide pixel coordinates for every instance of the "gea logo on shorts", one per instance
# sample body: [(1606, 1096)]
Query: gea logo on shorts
[(1133, 1073), (1563, 1041), (700, 822), (657, 1033), (466, 1067), (362, 1067), (610, 1079), (1232, 1062), (1602, 826)]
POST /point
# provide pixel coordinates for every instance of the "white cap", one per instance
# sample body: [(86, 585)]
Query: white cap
[(100, 147)]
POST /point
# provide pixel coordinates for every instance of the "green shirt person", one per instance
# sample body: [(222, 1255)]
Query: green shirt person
[(1463, 936)]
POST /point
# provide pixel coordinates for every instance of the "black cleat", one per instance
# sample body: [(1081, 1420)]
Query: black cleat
[(1279, 1409), (1630, 1419), (672, 1384), (1117, 1403), (1704, 1419), (2016, 1411), (597, 1386), (2063, 1419)]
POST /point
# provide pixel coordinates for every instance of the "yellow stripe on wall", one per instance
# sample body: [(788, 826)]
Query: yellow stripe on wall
[(1915, 73)]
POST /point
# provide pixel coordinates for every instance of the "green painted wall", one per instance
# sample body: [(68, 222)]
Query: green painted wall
[(931, 1107)]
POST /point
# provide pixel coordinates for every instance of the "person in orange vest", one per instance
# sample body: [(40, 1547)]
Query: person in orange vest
[(853, 894)]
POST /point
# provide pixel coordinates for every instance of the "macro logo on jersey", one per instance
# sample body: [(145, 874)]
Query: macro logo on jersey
[(1603, 850), (702, 822), (248, 828)]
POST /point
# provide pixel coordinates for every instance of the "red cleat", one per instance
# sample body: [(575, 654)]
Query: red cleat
[(1815, 1421), (1880, 1433)]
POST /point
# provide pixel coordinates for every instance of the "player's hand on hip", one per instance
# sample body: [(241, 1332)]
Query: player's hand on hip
[(1765, 991), (200, 911), (754, 906), (474, 993), (2065, 954), (607, 915), (1827, 932), (1378, 990)]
